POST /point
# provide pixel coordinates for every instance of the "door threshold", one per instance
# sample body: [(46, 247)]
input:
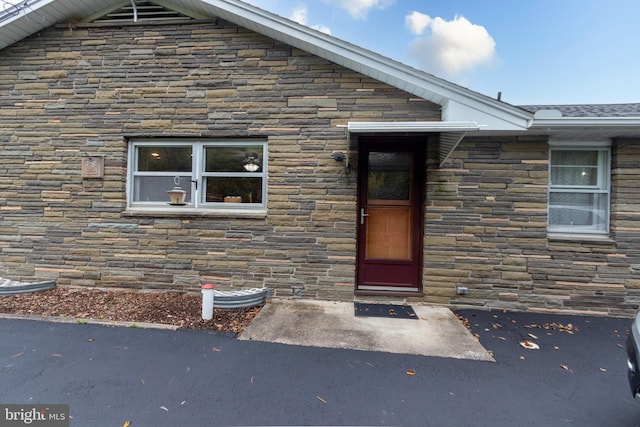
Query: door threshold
[(368, 293)]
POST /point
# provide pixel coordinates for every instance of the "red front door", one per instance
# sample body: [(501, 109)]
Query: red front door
[(390, 214)]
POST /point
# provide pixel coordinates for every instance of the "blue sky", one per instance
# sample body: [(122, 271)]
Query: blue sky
[(534, 52)]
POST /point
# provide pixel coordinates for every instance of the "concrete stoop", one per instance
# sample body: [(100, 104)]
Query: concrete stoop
[(437, 332)]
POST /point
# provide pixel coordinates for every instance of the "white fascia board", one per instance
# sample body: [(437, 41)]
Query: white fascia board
[(386, 127)]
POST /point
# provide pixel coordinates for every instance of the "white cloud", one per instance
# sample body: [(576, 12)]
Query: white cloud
[(301, 15), (359, 9), (417, 22), (449, 48)]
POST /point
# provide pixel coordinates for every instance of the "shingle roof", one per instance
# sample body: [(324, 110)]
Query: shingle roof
[(590, 110)]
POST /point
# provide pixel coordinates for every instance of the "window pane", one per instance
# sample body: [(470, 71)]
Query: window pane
[(574, 168), (164, 159), (574, 176), (574, 158), (154, 188), (582, 210), (389, 176), (233, 190), (247, 158)]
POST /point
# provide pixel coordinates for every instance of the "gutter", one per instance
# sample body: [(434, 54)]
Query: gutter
[(601, 122)]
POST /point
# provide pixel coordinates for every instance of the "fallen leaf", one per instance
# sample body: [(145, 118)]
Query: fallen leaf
[(502, 338), (496, 325), (533, 336), (126, 424), (555, 347), (603, 370), (142, 380), (565, 367), (412, 372), (90, 339), (17, 355), (216, 349), (620, 345), (529, 345), (164, 408), (321, 399), (521, 357), (55, 355)]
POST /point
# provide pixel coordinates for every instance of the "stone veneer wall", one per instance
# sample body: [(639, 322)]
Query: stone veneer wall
[(68, 93), (486, 225), (65, 94)]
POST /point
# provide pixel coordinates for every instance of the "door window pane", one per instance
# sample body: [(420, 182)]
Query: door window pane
[(389, 233), (389, 176)]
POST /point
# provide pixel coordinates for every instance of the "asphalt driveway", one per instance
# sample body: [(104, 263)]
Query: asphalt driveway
[(166, 378)]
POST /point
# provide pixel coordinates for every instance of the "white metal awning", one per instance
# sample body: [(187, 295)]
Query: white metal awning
[(386, 127), (451, 133)]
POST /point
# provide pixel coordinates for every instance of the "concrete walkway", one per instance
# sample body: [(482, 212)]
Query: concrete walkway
[(437, 332)]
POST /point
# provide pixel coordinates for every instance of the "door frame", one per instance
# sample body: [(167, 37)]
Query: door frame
[(416, 145)]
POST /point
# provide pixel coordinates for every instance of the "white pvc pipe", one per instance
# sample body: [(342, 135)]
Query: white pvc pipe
[(207, 301), (135, 11)]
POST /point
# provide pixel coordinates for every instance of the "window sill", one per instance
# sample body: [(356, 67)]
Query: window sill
[(186, 212), (580, 238)]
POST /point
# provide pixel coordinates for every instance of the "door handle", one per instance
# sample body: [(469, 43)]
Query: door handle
[(362, 215)]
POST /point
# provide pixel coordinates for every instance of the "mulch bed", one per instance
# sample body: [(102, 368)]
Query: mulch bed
[(182, 310)]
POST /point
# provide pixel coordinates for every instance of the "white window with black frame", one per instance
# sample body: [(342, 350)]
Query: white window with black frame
[(579, 187), (207, 175)]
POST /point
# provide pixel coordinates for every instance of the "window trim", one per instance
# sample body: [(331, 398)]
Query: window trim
[(197, 205), (602, 187)]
